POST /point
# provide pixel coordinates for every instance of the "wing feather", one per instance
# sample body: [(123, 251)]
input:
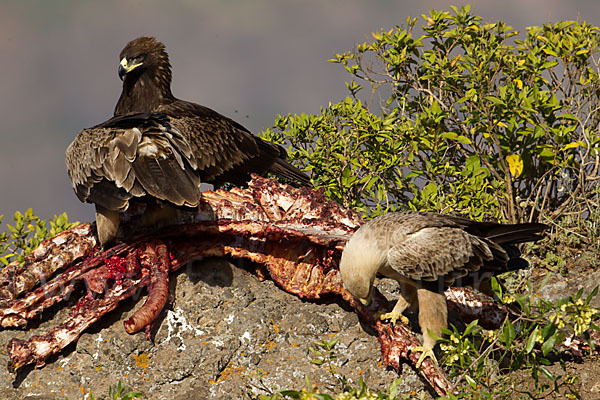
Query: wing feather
[(428, 246), (435, 252), (133, 156), (226, 151)]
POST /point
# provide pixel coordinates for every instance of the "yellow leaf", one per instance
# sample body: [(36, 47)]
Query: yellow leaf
[(502, 124), (571, 145), (515, 164), (519, 83), (454, 60)]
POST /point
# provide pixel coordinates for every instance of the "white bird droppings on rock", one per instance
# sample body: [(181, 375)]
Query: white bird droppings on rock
[(177, 324)]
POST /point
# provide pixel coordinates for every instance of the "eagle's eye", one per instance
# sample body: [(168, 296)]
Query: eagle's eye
[(138, 59)]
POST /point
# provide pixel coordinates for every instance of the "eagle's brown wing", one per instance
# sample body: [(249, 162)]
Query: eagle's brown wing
[(441, 252), (224, 149), (428, 246), (133, 156)]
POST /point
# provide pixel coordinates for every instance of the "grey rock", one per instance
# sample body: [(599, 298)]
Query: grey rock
[(225, 336), (580, 275)]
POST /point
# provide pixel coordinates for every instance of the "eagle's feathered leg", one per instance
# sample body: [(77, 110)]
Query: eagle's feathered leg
[(107, 225), (433, 316)]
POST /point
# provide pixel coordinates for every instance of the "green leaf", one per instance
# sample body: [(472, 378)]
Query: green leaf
[(548, 331), (592, 294), (433, 335), (549, 64), (291, 393), (450, 135), (464, 140), (508, 333), (495, 100), (547, 373), (549, 344), (394, 388), (322, 397), (544, 361), (471, 327), (568, 117), (531, 341), (546, 152), (496, 287), (471, 382), (572, 145)]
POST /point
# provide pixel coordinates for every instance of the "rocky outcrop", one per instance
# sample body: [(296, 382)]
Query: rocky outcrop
[(226, 335)]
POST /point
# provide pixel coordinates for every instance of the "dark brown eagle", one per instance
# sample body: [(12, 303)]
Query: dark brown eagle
[(160, 148)]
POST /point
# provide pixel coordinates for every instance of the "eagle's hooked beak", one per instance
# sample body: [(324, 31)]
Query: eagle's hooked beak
[(368, 300), (125, 67)]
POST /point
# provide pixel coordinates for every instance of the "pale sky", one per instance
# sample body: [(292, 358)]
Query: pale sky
[(249, 60)]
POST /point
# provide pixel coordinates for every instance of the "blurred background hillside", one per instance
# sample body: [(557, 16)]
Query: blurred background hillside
[(249, 60)]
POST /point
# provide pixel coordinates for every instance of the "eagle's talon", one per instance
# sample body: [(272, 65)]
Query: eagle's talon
[(392, 317), (425, 352)]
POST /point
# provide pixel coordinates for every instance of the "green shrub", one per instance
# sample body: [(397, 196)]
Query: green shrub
[(529, 341), (470, 117), (27, 233)]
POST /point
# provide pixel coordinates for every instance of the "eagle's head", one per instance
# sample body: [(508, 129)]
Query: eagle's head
[(361, 260), (146, 74), (144, 54)]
